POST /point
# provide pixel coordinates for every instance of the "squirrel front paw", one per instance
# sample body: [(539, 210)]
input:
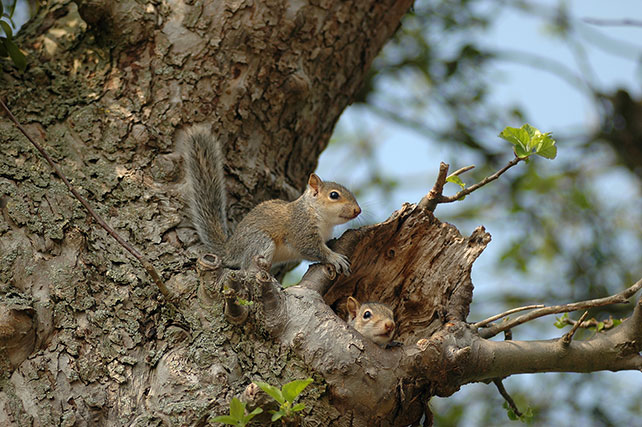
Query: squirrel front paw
[(340, 262)]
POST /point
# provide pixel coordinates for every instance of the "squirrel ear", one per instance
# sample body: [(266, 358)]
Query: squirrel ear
[(352, 306), (315, 182)]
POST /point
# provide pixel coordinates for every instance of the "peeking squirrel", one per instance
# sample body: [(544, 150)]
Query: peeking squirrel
[(280, 231), (373, 320)]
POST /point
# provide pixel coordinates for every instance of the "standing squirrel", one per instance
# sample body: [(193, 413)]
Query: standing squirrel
[(280, 231), (373, 320)]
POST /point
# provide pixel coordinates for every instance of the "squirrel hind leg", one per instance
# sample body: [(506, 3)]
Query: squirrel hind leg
[(244, 247)]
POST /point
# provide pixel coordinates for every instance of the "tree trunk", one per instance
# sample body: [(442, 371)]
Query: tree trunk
[(107, 88)]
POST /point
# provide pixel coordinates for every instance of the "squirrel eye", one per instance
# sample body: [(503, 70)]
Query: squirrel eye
[(334, 195), (367, 314)]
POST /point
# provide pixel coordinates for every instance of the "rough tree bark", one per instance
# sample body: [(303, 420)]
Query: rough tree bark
[(86, 338)]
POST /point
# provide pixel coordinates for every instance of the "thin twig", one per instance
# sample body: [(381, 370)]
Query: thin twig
[(506, 396), (435, 196), (566, 339), (146, 264), (621, 297), (614, 22), (493, 177), (462, 170), (485, 322)]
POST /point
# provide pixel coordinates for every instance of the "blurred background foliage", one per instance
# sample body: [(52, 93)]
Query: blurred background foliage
[(455, 74), (563, 230)]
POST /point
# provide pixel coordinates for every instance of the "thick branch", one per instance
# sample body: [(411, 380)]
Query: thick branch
[(614, 351)]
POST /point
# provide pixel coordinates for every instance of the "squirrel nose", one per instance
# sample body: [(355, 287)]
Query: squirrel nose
[(389, 325), (357, 211)]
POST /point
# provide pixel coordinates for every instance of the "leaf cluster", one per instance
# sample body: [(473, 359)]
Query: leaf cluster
[(529, 140), (286, 397), (526, 417)]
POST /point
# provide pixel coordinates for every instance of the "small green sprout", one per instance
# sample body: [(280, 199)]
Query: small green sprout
[(237, 415), (528, 140), (286, 397)]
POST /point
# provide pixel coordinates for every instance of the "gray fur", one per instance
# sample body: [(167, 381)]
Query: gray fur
[(206, 188)]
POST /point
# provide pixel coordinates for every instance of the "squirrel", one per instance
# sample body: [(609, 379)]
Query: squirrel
[(280, 231), (373, 320)]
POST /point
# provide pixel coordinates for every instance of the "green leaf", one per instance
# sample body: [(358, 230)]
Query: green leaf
[(272, 391), (3, 50), (456, 180), (16, 55), (277, 415), (7, 29), (241, 301), (519, 138), (255, 412), (225, 419), (12, 9), (616, 322), (292, 389), (545, 145), (237, 409), (600, 326), (529, 140), (561, 321), (298, 407)]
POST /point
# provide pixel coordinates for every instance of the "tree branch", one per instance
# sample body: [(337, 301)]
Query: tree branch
[(430, 200), (566, 339), (435, 196), (618, 298), (614, 22), (614, 350), (502, 390), (491, 319)]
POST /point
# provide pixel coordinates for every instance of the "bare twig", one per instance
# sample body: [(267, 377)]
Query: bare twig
[(493, 177), (435, 196), (146, 264), (506, 396), (485, 322), (462, 170), (614, 22), (621, 297), (430, 200), (566, 339)]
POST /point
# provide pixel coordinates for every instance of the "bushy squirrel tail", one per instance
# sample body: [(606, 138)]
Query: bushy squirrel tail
[(206, 193)]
